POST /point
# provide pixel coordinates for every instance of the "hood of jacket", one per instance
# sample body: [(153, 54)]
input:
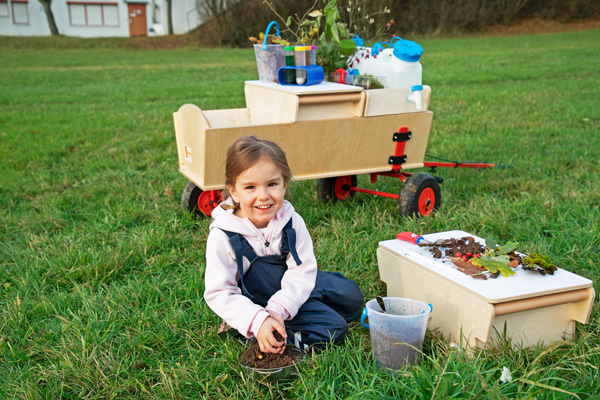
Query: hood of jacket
[(226, 220)]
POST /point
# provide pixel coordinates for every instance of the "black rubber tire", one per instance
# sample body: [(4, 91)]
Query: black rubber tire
[(189, 199), (326, 189), (419, 187)]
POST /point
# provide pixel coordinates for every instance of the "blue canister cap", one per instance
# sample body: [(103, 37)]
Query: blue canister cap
[(407, 50), (358, 40)]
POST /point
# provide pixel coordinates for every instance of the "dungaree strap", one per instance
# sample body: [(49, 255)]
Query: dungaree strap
[(291, 239), (236, 243), (242, 248)]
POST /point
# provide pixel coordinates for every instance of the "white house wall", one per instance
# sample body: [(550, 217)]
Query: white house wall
[(184, 18), (37, 24)]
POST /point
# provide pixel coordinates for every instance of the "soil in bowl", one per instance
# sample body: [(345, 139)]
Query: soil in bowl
[(255, 358)]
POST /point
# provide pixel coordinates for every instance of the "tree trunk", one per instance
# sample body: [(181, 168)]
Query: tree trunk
[(50, 16), (169, 18)]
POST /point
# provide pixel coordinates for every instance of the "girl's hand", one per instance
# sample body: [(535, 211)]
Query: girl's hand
[(266, 339)]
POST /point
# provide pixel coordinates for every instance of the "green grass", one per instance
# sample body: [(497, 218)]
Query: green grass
[(101, 272)]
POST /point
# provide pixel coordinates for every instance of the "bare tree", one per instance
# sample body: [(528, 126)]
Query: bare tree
[(216, 10), (50, 16), (169, 17)]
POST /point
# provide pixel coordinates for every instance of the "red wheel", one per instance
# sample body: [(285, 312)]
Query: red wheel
[(426, 201), (420, 195), (336, 188), (209, 200), (198, 201), (340, 190)]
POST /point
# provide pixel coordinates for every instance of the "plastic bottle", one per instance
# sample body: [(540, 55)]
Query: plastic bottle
[(301, 53), (290, 74), (313, 55)]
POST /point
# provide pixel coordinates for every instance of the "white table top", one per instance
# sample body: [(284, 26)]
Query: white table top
[(523, 284), (321, 88)]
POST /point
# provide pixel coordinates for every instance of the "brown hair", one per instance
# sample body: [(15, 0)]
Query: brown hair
[(247, 151)]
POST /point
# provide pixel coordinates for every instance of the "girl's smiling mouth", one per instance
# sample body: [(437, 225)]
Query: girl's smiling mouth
[(264, 207)]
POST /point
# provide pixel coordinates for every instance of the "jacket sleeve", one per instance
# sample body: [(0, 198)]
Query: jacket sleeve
[(299, 280), (222, 293)]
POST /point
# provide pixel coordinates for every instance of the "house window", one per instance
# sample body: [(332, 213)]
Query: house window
[(93, 14), (4, 8), (20, 12)]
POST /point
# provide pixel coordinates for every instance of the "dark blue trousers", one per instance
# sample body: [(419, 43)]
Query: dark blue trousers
[(335, 300)]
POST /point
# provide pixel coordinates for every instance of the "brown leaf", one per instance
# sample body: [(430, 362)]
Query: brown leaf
[(168, 192), (469, 268)]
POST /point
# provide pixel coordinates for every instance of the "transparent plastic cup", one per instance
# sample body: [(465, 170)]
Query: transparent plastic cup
[(397, 334)]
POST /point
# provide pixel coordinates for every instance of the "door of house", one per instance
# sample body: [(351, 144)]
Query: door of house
[(137, 19)]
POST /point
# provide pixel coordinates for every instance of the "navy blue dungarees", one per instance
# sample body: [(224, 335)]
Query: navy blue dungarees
[(335, 300)]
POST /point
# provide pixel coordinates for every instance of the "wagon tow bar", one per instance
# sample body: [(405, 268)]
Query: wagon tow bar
[(403, 176), (457, 164)]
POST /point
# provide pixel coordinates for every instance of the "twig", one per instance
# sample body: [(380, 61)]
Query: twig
[(296, 20)]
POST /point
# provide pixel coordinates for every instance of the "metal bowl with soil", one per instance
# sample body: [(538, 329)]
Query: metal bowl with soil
[(271, 366)]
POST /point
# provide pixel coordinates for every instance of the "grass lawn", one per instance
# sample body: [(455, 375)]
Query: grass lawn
[(101, 272)]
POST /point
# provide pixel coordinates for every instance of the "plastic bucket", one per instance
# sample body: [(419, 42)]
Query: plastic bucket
[(397, 335), (269, 57)]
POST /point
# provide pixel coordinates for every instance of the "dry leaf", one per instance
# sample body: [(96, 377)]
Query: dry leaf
[(469, 268)]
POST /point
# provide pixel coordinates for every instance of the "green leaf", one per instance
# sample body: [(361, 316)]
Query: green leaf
[(508, 247), (495, 264), (335, 34), (339, 63), (344, 34), (506, 271), (490, 244), (331, 14), (347, 47), (288, 22), (491, 265)]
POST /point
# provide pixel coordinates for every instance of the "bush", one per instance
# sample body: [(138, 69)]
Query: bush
[(241, 19)]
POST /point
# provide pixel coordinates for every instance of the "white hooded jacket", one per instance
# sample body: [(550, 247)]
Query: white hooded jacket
[(222, 293)]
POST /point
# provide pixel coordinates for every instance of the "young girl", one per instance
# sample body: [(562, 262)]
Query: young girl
[(261, 272)]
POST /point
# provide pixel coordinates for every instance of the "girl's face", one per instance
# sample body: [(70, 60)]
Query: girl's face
[(259, 191)]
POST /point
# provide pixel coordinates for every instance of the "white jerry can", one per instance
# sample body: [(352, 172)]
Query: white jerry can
[(395, 67)]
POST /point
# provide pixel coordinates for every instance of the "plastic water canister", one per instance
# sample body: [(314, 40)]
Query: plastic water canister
[(408, 72), (360, 59), (380, 65)]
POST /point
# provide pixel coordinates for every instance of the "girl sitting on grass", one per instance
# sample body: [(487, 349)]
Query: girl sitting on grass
[(261, 272)]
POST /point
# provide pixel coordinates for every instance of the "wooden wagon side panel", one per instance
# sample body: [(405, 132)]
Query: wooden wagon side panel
[(190, 126), (318, 149)]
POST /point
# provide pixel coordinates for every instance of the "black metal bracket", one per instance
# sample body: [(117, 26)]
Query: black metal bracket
[(402, 137), (397, 160)]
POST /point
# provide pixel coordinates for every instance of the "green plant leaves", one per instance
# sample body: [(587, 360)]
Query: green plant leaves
[(494, 264), (347, 47), (496, 259)]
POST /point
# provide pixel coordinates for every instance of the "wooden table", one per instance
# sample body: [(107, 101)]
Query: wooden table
[(529, 307)]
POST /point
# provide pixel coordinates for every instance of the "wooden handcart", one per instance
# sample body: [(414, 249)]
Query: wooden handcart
[(330, 132)]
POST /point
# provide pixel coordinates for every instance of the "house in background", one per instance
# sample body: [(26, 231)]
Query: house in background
[(96, 18)]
